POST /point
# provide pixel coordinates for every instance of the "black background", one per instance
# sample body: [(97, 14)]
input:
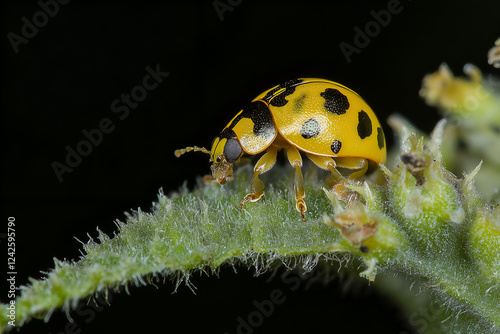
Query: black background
[(64, 79)]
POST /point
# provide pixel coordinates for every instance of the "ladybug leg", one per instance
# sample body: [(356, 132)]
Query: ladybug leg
[(329, 164), (337, 181), (242, 161), (296, 161), (265, 163), (360, 166)]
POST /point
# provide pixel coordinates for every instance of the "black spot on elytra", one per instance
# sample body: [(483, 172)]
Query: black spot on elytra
[(298, 103), (364, 125), (336, 146), (380, 138), (310, 128), (335, 101), (227, 133), (279, 100), (260, 114)]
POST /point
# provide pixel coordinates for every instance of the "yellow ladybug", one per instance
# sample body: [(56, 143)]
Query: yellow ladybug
[(327, 121)]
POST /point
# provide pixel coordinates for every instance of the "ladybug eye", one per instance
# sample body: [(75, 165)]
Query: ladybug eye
[(232, 150), (219, 158)]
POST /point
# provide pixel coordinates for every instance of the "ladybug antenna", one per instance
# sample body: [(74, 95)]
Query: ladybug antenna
[(180, 152)]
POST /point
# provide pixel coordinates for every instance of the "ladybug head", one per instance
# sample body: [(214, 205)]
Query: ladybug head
[(225, 151)]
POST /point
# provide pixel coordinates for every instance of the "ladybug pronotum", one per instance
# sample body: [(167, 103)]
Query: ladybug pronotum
[(327, 121)]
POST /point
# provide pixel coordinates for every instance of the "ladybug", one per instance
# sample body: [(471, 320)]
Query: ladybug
[(328, 122)]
